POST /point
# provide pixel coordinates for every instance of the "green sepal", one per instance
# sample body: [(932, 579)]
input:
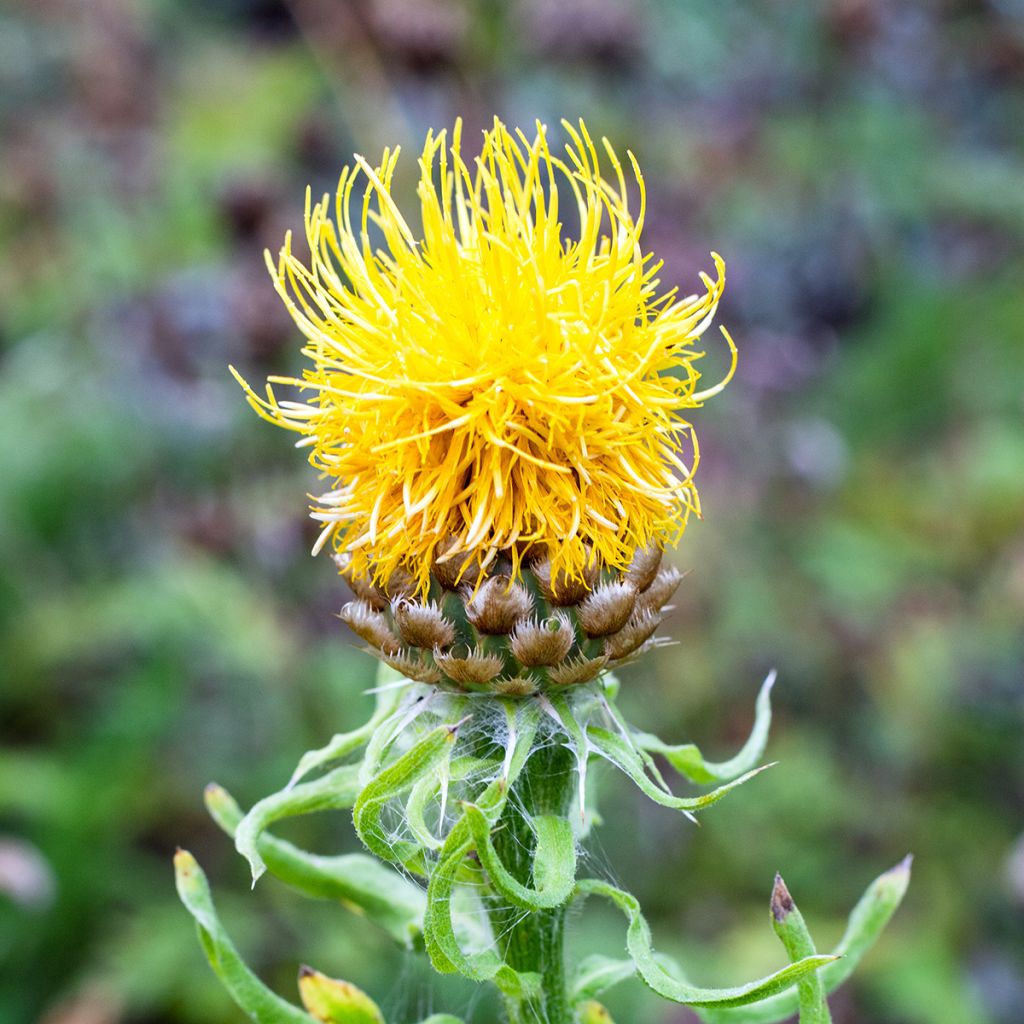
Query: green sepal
[(554, 861), (337, 790), (612, 747), (359, 882), (257, 1001), (652, 970), (423, 757), (869, 917), (689, 761), (791, 928)]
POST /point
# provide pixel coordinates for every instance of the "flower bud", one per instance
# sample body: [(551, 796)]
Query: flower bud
[(498, 605), (366, 622), (607, 609), (422, 625), (547, 642), (476, 667)]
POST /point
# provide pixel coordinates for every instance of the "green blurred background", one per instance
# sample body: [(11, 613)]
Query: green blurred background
[(859, 163)]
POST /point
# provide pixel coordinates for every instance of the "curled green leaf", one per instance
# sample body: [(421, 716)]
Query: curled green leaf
[(687, 759), (337, 790), (554, 863), (612, 747), (257, 1001), (653, 971), (358, 881)]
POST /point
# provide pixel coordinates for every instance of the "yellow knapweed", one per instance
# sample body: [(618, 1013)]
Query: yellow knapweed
[(501, 380)]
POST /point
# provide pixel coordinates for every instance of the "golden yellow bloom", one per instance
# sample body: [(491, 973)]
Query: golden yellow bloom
[(489, 384)]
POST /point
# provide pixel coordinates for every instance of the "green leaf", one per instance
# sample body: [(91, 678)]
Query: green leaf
[(554, 861), (442, 1018), (792, 930), (689, 761), (337, 790), (615, 749), (651, 968), (248, 992), (358, 881), (872, 913), (422, 758)]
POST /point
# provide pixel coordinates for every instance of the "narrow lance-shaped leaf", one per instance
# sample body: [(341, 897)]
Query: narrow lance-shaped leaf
[(651, 968), (358, 881), (330, 1001), (791, 929), (687, 759), (872, 913), (614, 748), (337, 790), (261, 1004)]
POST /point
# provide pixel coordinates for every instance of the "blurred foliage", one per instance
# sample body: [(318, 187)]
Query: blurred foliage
[(861, 167)]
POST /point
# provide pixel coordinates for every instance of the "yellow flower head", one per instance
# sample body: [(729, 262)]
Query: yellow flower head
[(508, 379)]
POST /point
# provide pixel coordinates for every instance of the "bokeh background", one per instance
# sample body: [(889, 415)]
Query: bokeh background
[(860, 164)]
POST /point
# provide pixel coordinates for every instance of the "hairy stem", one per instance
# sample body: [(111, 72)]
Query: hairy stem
[(534, 941)]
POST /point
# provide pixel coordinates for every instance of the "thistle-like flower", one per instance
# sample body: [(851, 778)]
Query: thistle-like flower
[(495, 397), (499, 407)]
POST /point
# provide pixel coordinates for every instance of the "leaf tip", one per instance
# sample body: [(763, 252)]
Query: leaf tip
[(184, 863), (781, 901)]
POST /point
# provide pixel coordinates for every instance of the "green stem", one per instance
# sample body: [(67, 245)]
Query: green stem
[(534, 941)]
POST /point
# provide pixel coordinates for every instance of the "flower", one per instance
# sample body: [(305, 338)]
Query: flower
[(489, 387)]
